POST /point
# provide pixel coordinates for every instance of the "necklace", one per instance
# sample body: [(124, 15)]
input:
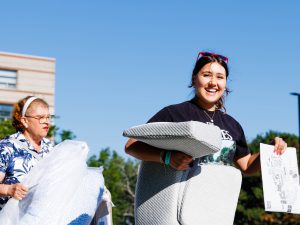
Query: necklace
[(211, 118)]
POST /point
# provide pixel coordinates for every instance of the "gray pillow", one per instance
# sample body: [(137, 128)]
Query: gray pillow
[(216, 203), (194, 138), (205, 195)]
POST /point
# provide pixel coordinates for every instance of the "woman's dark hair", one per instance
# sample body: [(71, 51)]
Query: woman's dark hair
[(202, 61)]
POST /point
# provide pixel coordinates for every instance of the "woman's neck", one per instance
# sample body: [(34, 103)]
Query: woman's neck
[(34, 141), (205, 106)]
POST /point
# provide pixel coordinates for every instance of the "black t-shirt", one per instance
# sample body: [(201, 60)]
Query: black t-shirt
[(233, 138)]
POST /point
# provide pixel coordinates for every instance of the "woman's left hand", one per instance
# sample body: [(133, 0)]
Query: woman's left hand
[(280, 146)]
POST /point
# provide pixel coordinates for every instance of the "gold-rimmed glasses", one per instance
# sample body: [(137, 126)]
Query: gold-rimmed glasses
[(42, 119)]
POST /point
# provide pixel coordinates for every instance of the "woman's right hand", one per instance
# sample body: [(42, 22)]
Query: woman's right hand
[(17, 191), (180, 160)]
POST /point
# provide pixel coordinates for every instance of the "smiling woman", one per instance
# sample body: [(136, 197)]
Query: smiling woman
[(209, 80), (21, 151)]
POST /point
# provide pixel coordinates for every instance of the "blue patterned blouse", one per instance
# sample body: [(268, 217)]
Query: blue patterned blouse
[(16, 159)]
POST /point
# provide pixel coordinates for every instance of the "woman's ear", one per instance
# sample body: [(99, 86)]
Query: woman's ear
[(193, 81), (24, 121)]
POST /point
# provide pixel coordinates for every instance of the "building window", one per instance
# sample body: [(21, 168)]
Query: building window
[(5, 111), (8, 78)]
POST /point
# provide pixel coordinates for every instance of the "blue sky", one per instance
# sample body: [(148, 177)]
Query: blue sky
[(119, 62)]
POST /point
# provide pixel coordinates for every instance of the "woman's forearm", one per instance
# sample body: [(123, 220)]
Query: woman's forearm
[(249, 164), (4, 190), (143, 151), (253, 164)]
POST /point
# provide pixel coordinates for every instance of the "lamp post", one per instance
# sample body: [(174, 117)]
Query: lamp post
[(298, 95)]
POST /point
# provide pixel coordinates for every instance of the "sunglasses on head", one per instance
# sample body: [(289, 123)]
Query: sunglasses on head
[(205, 54)]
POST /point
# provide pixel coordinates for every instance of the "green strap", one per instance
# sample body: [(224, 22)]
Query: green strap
[(168, 158)]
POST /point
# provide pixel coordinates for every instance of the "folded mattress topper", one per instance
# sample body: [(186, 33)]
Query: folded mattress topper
[(194, 138)]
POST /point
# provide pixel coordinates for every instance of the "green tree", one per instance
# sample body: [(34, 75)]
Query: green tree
[(250, 209), (67, 135), (120, 179), (6, 128), (52, 132), (60, 135)]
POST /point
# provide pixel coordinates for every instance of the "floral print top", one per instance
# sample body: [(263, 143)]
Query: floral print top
[(16, 159)]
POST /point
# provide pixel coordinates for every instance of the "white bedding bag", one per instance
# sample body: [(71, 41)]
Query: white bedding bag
[(62, 190)]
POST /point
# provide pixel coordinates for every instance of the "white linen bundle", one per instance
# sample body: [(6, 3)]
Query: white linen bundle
[(62, 190)]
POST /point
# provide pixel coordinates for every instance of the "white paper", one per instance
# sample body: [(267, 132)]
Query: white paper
[(280, 178)]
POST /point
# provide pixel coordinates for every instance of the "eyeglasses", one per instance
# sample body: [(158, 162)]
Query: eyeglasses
[(205, 54), (42, 119)]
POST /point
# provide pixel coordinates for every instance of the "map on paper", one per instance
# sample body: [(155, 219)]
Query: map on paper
[(280, 178)]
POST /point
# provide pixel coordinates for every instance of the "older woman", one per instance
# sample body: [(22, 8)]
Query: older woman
[(21, 151)]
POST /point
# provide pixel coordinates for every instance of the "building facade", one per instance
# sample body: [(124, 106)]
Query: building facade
[(23, 75)]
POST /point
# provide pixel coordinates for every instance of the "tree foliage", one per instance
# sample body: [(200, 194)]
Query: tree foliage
[(6, 128), (60, 135), (250, 209), (120, 178)]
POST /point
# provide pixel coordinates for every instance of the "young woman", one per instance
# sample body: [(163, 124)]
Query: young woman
[(21, 151), (209, 80)]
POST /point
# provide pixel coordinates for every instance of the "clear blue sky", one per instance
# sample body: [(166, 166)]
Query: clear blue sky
[(119, 62)]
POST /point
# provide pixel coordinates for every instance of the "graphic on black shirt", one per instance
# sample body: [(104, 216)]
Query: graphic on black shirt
[(223, 157), (226, 154)]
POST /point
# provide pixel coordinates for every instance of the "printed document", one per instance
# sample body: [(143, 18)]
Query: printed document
[(280, 178)]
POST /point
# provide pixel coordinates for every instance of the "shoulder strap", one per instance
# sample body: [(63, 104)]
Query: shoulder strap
[(33, 153)]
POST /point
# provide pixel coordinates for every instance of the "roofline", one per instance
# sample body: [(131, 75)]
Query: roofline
[(27, 56)]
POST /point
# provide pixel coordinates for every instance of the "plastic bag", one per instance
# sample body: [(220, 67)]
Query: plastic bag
[(62, 190)]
